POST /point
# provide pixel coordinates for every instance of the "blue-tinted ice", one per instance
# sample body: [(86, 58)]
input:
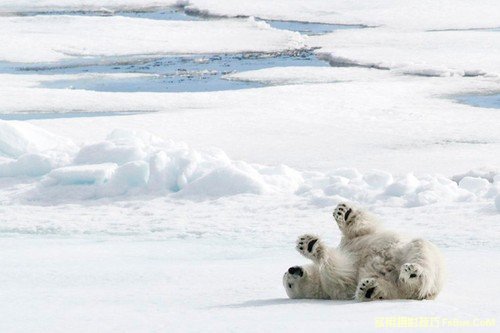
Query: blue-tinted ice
[(310, 28), (484, 101)]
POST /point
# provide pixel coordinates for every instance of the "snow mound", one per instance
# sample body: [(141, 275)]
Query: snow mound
[(378, 179), (18, 138), (132, 162), (403, 186), (81, 174), (474, 184), (128, 176), (225, 181), (129, 163), (108, 151), (487, 173), (26, 165)]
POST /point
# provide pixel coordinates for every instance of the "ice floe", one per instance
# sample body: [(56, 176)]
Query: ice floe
[(58, 37)]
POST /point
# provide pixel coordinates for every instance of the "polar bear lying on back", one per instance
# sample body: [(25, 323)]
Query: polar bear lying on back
[(369, 263)]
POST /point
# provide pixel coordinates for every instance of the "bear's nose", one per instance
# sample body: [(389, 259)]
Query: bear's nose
[(296, 270)]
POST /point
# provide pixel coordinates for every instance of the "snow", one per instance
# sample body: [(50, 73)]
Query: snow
[(20, 6), (180, 214), (224, 181), (378, 179), (26, 165), (58, 38), (302, 75), (108, 151), (111, 294), (415, 14), (406, 185), (475, 185), (461, 53), (86, 174), (129, 175), (402, 117), (486, 172), (18, 138), (133, 282)]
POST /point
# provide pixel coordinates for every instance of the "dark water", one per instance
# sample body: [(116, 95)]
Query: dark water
[(189, 73), (170, 14), (484, 101)]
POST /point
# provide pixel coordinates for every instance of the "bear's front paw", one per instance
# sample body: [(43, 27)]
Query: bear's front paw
[(310, 247), (343, 213)]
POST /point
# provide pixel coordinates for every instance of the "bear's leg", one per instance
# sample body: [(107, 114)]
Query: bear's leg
[(352, 221), (421, 274), (311, 247), (303, 282), (336, 269)]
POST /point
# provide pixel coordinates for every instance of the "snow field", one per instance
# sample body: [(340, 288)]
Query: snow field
[(210, 285)]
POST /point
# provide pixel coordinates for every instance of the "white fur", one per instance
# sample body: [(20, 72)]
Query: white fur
[(369, 263)]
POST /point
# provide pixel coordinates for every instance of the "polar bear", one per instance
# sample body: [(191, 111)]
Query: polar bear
[(369, 263)]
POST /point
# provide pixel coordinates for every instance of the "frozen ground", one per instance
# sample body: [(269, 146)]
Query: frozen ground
[(159, 158)]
